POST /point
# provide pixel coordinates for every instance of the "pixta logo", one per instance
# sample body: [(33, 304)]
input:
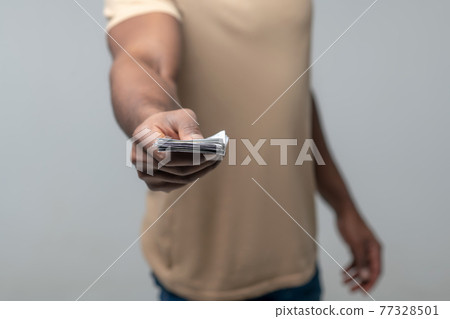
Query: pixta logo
[(308, 148)]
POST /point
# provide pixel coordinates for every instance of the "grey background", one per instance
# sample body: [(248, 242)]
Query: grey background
[(69, 206)]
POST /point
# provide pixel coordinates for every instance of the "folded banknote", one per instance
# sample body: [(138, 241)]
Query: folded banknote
[(215, 144)]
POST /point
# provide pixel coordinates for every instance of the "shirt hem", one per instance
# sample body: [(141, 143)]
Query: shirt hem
[(253, 291)]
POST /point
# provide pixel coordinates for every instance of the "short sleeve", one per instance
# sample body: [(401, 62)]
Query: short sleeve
[(117, 11)]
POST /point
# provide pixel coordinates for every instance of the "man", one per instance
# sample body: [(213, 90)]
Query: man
[(225, 237)]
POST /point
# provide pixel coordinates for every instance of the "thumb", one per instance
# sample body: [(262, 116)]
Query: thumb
[(191, 134), (188, 129), (361, 262)]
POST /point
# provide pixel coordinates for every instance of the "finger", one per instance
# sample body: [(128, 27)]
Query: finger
[(348, 268), (185, 159), (351, 277), (357, 267), (193, 160), (149, 165), (374, 265), (171, 160), (163, 187), (186, 170), (356, 287), (143, 144), (359, 254), (160, 177), (178, 163), (164, 177), (185, 123), (145, 163), (348, 272)]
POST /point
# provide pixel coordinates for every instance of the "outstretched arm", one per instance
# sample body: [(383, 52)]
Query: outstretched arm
[(146, 54)]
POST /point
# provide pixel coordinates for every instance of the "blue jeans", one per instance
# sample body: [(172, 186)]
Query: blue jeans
[(310, 291)]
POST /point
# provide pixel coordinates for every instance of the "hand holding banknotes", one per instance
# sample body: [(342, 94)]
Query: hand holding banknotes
[(173, 139)]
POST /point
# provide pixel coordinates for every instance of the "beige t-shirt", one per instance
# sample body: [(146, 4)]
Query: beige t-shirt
[(225, 238)]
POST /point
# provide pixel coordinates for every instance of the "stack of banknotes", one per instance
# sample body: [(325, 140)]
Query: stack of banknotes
[(215, 144)]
